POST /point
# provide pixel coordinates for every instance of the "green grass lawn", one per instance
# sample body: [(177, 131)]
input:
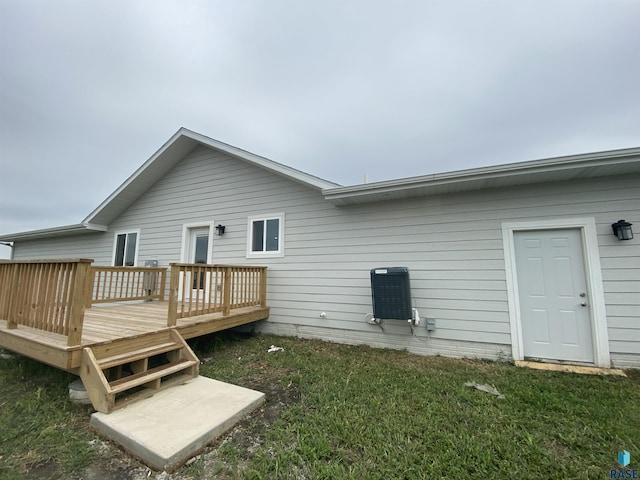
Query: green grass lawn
[(357, 412)]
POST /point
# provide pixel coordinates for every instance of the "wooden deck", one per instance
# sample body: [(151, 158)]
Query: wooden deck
[(107, 324), (50, 310), (112, 325)]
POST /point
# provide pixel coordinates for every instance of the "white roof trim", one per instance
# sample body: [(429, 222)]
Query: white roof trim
[(173, 151), (75, 229), (615, 162), (284, 170)]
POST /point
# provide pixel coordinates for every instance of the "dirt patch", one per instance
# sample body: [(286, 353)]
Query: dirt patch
[(42, 470), (114, 473), (247, 436)]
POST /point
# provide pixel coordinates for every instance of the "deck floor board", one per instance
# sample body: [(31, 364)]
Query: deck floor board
[(104, 324)]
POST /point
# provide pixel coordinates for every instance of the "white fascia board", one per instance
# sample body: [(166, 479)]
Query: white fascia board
[(529, 169), (134, 176), (164, 159), (280, 169), (75, 229)]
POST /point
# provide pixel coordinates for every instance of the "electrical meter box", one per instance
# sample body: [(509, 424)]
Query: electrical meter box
[(150, 279), (391, 293)]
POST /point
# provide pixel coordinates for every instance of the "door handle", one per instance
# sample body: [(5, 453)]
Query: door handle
[(583, 304)]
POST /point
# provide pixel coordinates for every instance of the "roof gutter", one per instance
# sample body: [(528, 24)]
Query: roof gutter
[(529, 170)]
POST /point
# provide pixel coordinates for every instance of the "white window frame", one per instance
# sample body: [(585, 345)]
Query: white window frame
[(115, 246), (265, 217)]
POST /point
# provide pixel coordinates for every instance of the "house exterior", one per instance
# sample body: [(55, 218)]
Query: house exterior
[(512, 261)]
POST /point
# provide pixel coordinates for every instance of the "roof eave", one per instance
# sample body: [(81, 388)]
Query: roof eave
[(173, 150), (536, 171), (62, 231), (307, 179), (121, 193)]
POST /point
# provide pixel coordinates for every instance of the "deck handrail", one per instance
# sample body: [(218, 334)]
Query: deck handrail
[(45, 294), (123, 284), (198, 289)]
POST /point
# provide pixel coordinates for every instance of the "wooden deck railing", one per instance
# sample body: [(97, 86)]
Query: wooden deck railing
[(45, 294), (197, 289), (52, 295), (122, 284)]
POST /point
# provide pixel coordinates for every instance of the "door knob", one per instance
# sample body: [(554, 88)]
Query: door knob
[(583, 304)]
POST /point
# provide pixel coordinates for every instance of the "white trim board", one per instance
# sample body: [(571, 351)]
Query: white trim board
[(186, 238), (587, 227)]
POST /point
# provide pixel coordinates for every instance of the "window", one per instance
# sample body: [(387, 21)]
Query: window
[(125, 251), (265, 236)]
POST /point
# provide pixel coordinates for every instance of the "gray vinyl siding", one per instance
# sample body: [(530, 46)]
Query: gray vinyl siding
[(452, 245), (90, 245)]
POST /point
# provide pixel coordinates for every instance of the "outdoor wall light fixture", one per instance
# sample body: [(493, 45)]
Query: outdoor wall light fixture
[(219, 230), (622, 230)]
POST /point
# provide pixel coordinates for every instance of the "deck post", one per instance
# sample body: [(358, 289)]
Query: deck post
[(163, 285), (226, 293), (263, 287), (88, 296), (13, 292), (172, 313), (78, 302)]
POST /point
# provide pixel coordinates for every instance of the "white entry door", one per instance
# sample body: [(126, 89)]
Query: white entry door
[(552, 289), (198, 253)]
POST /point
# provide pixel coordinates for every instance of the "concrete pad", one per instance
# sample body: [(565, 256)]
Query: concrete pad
[(570, 368), (177, 423)]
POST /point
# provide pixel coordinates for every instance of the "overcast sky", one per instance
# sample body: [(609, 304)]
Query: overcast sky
[(89, 90)]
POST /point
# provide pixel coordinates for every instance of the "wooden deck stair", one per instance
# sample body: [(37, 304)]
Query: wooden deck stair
[(120, 372)]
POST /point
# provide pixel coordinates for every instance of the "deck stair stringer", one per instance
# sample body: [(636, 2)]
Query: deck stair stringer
[(123, 371)]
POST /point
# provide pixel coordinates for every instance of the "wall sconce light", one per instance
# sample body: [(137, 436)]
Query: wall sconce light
[(219, 230), (622, 230)]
